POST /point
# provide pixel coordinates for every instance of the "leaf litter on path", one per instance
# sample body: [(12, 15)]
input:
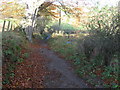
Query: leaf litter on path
[(30, 73)]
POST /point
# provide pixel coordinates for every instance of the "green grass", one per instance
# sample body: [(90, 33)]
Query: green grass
[(60, 45), (1, 21), (65, 26)]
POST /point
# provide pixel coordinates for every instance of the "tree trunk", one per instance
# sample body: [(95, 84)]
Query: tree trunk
[(59, 18), (34, 17), (119, 6), (30, 28), (3, 29), (32, 7)]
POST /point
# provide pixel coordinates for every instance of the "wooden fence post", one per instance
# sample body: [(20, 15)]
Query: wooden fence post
[(119, 6), (8, 26), (11, 27), (3, 28)]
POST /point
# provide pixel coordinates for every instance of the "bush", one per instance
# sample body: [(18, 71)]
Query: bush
[(42, 23), (104, 36)]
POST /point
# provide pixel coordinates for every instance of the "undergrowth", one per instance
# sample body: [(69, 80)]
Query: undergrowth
[(12, 45), (83, 67)]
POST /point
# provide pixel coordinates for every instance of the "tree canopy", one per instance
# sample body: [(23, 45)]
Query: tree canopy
[(12, 10)]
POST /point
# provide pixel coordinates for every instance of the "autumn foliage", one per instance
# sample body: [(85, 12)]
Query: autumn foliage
[(12, 10), (48, 9)]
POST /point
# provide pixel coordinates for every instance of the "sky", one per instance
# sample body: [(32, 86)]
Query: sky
[(107, 2), (91, 2)]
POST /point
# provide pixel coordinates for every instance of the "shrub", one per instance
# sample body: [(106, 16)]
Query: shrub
[(104, 36), (42, 23)]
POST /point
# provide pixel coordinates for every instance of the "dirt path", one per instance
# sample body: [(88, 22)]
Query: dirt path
[(61, 74), (44, 69)]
